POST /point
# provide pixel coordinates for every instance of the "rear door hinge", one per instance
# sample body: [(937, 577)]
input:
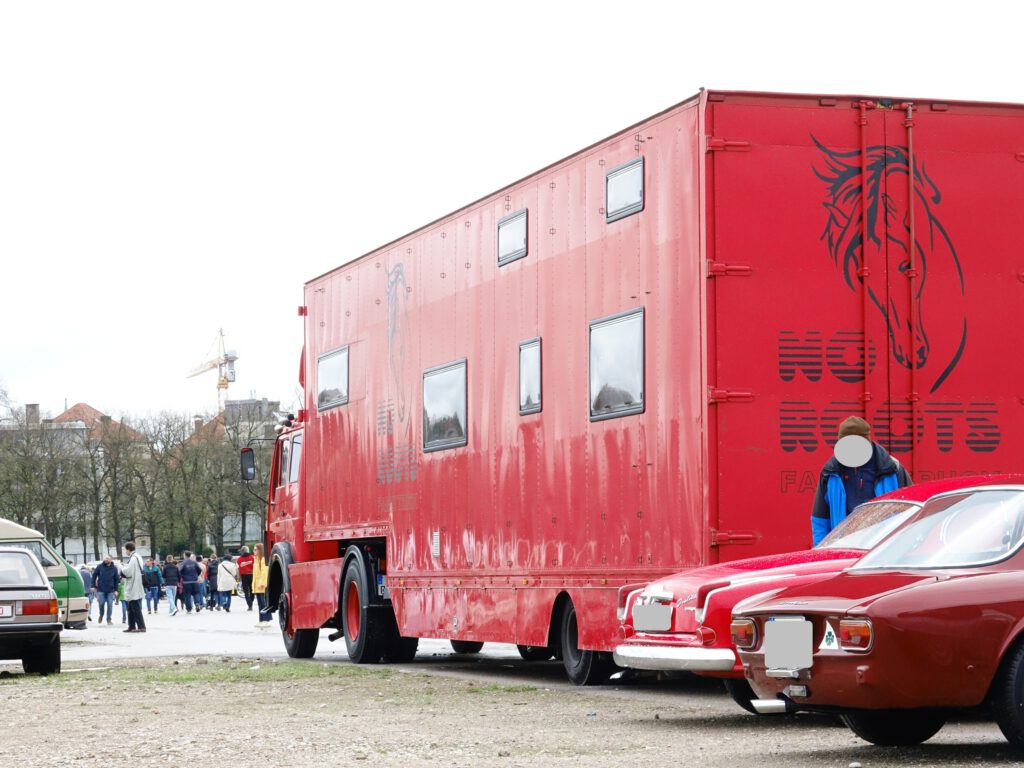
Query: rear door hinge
[(711, 144), (716, 395), (718, 538), (720, 269)]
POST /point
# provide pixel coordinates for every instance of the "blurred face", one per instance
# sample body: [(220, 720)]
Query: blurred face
[(107, 559)]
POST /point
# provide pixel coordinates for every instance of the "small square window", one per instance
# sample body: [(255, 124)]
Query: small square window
[(617, 365), (512, 237), (624, 190), (529, 377), (444, 407), (332, 379)]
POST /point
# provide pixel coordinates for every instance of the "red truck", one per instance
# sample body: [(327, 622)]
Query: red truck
[(634, 361)]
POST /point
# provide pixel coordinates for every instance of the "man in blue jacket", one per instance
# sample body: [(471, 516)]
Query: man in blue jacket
[(860, 470), (104, 580)]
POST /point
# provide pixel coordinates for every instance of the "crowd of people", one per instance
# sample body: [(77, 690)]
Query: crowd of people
[(192, 583)]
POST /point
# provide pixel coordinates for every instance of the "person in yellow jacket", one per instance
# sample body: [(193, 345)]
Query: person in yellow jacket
[(259, 584)]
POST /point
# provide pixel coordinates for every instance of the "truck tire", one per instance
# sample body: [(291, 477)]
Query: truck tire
[(534, 652), (466, 646), (299, 643), (365, 635), (44, 660), (581, 667), (894, 727)]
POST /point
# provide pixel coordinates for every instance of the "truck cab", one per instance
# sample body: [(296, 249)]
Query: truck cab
[(63, 576)]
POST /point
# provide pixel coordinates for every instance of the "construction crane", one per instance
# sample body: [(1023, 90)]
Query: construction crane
[(225, 365)]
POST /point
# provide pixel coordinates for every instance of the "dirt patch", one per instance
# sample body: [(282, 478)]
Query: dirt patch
[(288, 713)]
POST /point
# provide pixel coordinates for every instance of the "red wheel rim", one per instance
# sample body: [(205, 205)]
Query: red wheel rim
[(352, 612)]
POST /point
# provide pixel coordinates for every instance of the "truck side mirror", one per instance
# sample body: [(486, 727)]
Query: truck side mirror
[(248, 465)]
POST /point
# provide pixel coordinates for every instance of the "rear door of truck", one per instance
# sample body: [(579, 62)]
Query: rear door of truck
[(808, 327)]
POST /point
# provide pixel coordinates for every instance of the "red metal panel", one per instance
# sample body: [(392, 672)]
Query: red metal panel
[(318, 583)]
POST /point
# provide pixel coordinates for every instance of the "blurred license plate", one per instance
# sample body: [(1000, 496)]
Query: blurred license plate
[(6, 611), (788, 643), (654, 617)]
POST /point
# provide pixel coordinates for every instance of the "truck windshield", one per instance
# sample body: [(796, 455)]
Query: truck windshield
[(955, 531), (868, 524)]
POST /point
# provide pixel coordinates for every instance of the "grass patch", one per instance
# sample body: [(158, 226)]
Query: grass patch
[(214, 672), (498, 688)]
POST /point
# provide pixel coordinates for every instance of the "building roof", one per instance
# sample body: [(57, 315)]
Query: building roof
[(96, 422)]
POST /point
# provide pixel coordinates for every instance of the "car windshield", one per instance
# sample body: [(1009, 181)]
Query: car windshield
[(956, 531), (868, 524), (18, 570)]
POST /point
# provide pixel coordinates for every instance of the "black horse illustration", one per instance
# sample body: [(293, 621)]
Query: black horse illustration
[(939, 289)]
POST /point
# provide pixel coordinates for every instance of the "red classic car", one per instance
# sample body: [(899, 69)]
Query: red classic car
[(929, 621), (682, 622)]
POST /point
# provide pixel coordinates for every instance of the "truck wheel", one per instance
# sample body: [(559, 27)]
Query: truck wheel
[(363, 633), (741, 693), (466, 646), (1008, 696), (534, 652), (299, 643), (894, 727), (44, 660), (582, 667)]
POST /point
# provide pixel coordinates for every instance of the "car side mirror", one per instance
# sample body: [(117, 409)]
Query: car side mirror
[(248, 465)]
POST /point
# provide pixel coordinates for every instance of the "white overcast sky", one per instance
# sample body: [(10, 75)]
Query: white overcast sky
[(169, 169)]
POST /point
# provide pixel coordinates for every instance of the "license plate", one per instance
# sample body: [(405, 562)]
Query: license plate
[(6, 611), (788, 643), (654, 617)]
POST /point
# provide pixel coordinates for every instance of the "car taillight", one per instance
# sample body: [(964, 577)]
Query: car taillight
[(743, 633), (855, 634), (38, 608)]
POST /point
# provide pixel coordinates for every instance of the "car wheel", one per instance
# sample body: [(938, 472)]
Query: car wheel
[(534, 652), (741, 693), (364, 633), (894, 727), (466, 646), (45, 660), (581, 667), (299, 643), (1008, 696)]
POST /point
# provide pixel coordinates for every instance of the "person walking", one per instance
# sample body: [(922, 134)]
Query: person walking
[(90, 591), (244, 561), (259, 584), (171, 577), (133, 588), (859, 471), (203, 588), (105, 579), (189, 570), (212, 565), (227, 582), (152, 579)]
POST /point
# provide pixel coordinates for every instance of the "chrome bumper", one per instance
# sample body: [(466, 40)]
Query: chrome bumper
[(661, 657)]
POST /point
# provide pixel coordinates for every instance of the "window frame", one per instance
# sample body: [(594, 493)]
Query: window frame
[(295, 459), (540, 372), (629, 210), (522, 252), (460, 442), (608, 320), (342, 400)]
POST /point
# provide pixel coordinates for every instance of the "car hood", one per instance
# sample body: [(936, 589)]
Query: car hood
[(684, 585), (846, 591)]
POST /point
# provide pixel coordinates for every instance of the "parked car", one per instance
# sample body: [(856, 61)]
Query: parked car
[(929, 621), (682, 622), (30, 624), (65, 578)]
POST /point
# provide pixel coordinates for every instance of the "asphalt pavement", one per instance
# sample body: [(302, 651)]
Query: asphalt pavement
[(213, 632)]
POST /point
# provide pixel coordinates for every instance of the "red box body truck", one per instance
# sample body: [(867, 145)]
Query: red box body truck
[(634, 361)]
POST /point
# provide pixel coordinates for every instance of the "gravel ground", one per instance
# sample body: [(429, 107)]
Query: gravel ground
[(219, 709)]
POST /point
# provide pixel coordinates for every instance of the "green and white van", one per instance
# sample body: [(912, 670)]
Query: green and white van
[(65, 578)]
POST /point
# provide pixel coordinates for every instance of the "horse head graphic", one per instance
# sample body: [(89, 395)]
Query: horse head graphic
[(931, 339)]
